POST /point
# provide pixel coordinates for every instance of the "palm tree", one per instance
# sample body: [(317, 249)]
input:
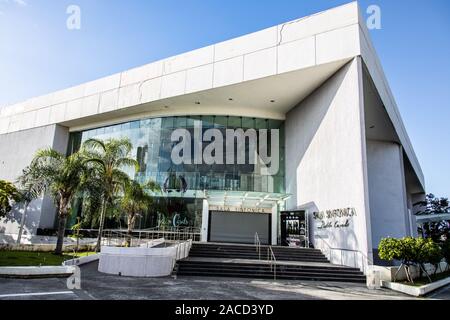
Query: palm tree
[(135, 201), (31, 189), (108, 158), (8, 194), (60, 176)]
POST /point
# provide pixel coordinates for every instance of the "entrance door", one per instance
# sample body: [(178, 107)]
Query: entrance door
[(236, 227)]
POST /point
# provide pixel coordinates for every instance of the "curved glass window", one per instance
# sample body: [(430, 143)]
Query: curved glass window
[(152, 148)]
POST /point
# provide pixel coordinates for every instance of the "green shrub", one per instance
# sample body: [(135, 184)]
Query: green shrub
[(8, 194), (410, 251), (389, 249), (428, 251)]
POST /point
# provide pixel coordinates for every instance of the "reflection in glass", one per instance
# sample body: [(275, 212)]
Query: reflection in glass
[(152, 147)]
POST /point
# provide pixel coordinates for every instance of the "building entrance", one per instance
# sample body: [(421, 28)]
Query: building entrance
[(239, 227)]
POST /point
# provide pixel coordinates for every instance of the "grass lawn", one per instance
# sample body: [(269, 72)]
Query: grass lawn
[(29, 258)]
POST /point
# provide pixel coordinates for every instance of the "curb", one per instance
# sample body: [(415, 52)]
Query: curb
[(36, 272), (82, 260)]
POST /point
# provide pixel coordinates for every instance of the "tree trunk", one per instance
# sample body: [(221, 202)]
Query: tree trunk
[(61, 232), (22, 222), (130, 228), (100, 229)]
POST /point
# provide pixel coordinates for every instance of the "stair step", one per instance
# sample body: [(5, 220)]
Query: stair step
[(282, 277), (255, 269), (278, 275), (248, 254), (256, 257), (261, 266), (268, 271), (255, 252)]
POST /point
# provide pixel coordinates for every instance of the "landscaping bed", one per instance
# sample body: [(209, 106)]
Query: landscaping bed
[(424, 280)]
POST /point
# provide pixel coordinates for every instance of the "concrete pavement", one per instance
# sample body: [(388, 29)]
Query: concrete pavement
[(96, 285)]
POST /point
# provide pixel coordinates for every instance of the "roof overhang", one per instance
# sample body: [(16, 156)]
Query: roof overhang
[(270, 97)]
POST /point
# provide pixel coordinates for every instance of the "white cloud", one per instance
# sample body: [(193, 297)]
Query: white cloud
[(21, 3)]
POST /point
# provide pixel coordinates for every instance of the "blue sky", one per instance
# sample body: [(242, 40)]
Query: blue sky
[(38, 54)]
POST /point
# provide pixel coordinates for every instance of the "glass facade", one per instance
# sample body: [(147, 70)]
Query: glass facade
[(152, 148)]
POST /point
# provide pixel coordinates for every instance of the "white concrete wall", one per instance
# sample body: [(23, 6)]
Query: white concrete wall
[(371, 60), (325, 145), (388, 206), (16, 152), (141, 261)]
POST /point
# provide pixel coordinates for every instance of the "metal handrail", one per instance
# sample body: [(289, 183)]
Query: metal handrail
[(363, 255), (272, 261), (176, 234), (257, 243), (187, 245)]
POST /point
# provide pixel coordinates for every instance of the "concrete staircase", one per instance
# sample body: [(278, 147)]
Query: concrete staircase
[(242, 261), (249, 252)]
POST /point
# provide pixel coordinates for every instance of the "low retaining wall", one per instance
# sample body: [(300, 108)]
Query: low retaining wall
[(416, 291), (72, 273), (27, 272), (82, 260), (142, 261)]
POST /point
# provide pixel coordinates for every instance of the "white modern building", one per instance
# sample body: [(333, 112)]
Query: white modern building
[(346, 159)]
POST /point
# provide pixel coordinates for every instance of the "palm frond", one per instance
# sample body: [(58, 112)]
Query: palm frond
[(128, 162), (93, 144)]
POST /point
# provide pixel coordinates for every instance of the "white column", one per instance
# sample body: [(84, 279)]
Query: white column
[(205, 221), (274, 224)]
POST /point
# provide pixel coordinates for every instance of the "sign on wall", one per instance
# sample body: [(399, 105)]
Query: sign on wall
[(334, 219), (239, 209)]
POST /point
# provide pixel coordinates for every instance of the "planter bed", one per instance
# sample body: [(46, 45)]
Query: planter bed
[(420, 287)]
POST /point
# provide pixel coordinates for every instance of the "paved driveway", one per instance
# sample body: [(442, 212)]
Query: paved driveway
[(96, 285)]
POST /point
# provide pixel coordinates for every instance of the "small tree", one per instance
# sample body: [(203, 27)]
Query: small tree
[(427, 251), (389, 249), (108, 159), (31, 189), (76, 233), (8, 194), (59, 176), (135, 201), (410, 251)]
